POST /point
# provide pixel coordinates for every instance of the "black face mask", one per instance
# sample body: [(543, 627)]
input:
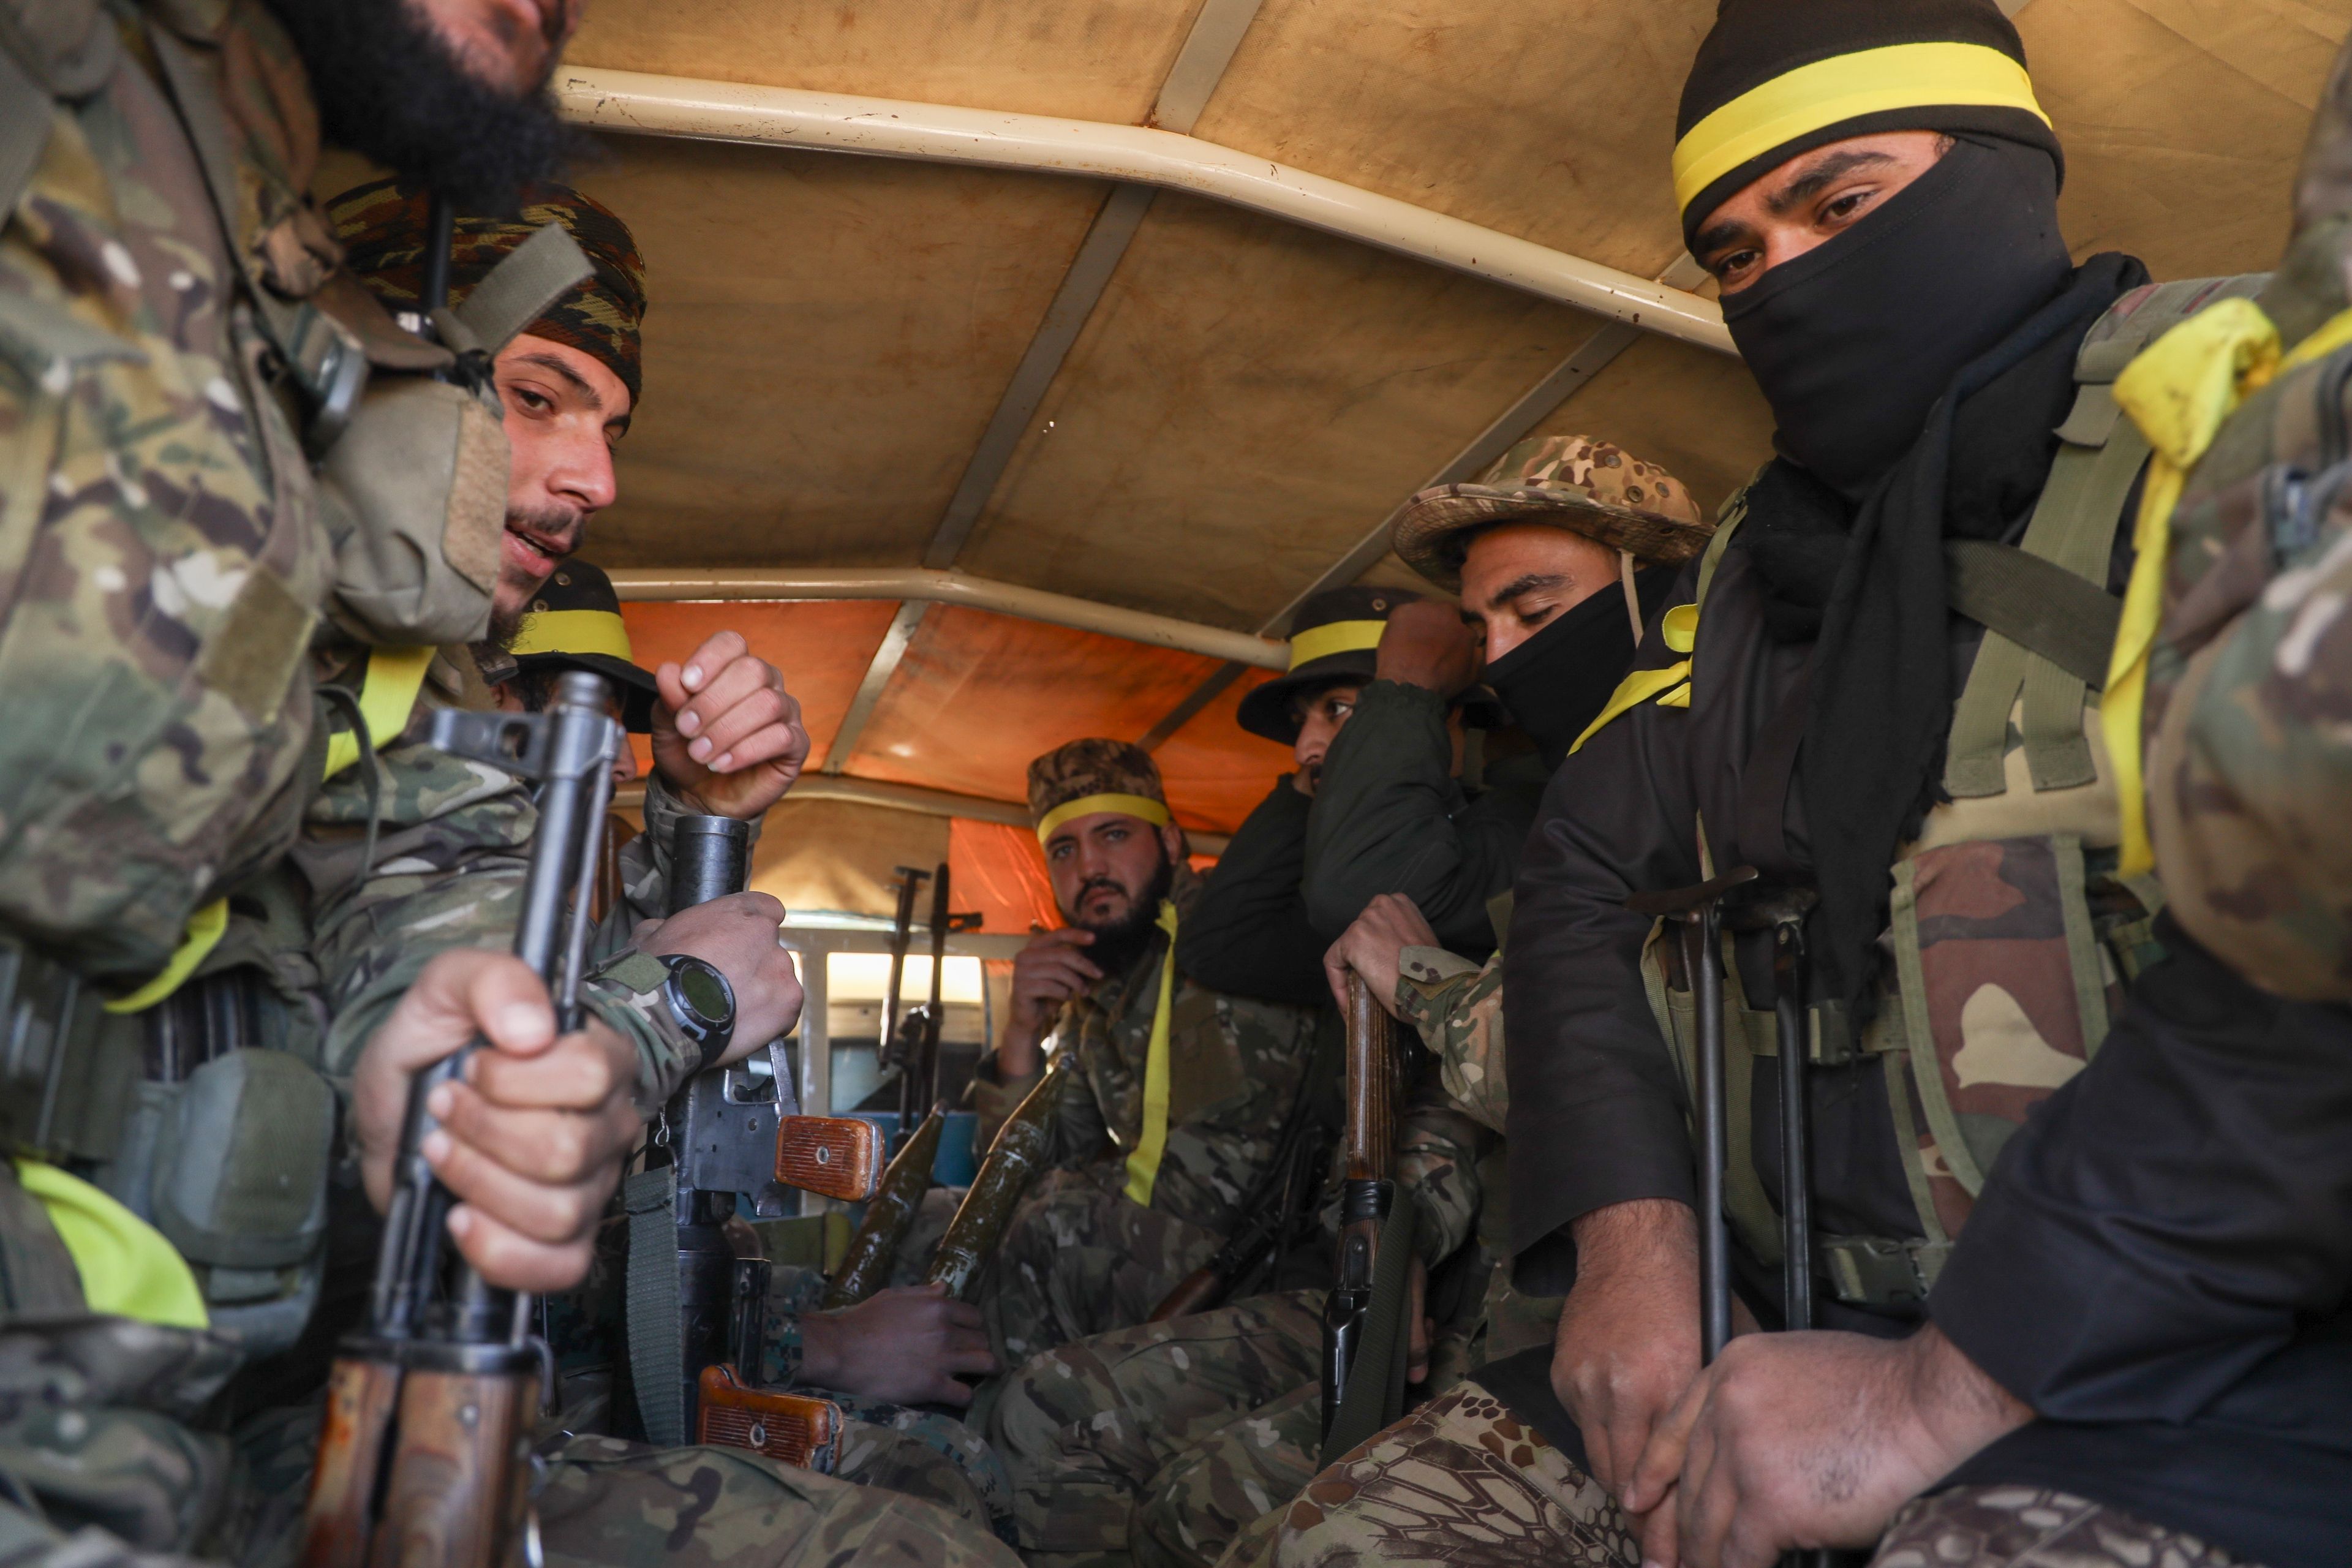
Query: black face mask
[(1557, 681), (1854, 341)]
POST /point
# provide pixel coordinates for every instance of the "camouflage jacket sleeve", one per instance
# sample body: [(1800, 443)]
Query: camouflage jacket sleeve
[(451, 854), (645, 863), (1235, 1066), (1437, 1152), (1457, 1007)]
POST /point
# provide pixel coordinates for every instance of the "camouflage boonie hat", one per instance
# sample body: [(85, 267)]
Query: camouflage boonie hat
[(1091, 775), (1588, 487), (381, 228)]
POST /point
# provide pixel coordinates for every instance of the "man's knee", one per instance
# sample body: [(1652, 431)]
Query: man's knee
[(610, 1502), (1992, 1526), (1462, 1468)]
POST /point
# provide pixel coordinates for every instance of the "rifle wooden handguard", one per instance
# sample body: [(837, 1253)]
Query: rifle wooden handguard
[(837, 1157), (1021, 1145), (866, 1265), (1201, 1290), (795, 1428)]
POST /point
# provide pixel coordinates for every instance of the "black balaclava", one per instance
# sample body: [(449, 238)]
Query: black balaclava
[(1555, 683), (1852, 341)]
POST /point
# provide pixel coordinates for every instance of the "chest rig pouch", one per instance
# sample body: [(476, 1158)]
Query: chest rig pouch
[(2012, 936)]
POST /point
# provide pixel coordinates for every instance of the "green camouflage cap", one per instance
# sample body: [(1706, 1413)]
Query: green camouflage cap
[(1094, 774), (381, 228), (1588, 487)]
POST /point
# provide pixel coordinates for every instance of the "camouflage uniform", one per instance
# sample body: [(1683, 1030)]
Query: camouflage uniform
[(1163, 1440), (1079, 1257), (163, 560)]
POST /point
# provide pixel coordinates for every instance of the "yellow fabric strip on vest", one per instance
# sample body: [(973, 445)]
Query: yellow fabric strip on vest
[(573, 631), (2178, 391), (1143, 1165), (205, 928), (387, 697), (127, 1268), (1334, 636), (1143, 806), (1678, 629), (1869, 81)]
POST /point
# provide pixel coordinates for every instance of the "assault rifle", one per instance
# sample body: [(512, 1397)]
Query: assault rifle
[(430, 1407), (918, 1040), (730, 1131), (1741, 900), (892, 1047), (1360, 1338)]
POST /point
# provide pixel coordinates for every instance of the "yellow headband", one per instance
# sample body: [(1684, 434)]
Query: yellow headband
[(573, 631), (1871, 81), (1143, 805), (1334, 636)]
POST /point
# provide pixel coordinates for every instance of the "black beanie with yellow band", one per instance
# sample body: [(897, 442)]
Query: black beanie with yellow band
[(1775, 78)]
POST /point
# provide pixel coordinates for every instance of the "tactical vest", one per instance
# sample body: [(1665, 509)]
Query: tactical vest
[(341, 471), (2013, 936), (311, 459)]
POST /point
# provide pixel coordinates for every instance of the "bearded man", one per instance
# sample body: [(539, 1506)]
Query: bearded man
[(1176, 1094)]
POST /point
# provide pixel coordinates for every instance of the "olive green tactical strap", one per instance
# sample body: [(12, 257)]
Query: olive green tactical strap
[(1880, 1270), (1753, 1218), (38, 1275), (519, 288), (27, 113), (1375, 1395), (657, 1351), (2033, 602)]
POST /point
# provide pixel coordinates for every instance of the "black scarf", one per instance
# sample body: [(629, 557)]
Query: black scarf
[(1556, 683), (1869, 583)]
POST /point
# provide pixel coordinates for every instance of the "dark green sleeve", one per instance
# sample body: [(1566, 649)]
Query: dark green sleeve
[(1248, 935), (1389, 817)]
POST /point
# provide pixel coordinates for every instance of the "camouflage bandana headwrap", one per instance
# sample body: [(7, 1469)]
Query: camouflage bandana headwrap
[(382, 227)]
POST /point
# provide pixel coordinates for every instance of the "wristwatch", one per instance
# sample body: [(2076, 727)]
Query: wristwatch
[(701, 1001)]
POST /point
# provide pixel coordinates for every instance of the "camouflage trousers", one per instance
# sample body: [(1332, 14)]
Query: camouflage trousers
[(1079, 1260), (1465, 1483), (96, 1487), (925, 1454), (1161, 1441)]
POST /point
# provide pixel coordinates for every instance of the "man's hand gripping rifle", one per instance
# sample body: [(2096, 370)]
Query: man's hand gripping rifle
[(429, 1409), (696, 1312)]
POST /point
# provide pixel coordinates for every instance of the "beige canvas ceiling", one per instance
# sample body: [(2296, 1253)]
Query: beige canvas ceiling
[(829, 336)]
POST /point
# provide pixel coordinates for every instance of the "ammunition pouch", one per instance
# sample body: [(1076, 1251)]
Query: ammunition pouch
[(224, 1147), (414, 497), (1985, 1016)]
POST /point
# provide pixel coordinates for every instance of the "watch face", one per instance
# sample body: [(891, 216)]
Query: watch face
[(704, 991)]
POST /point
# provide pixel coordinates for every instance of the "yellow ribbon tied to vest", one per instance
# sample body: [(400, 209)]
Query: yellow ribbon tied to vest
[(1143, 1164), (1678, 629), (2178, 391), (128, 1269), (387, 698)]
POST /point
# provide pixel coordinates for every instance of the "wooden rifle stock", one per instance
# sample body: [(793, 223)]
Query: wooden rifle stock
[(866, 1265)]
